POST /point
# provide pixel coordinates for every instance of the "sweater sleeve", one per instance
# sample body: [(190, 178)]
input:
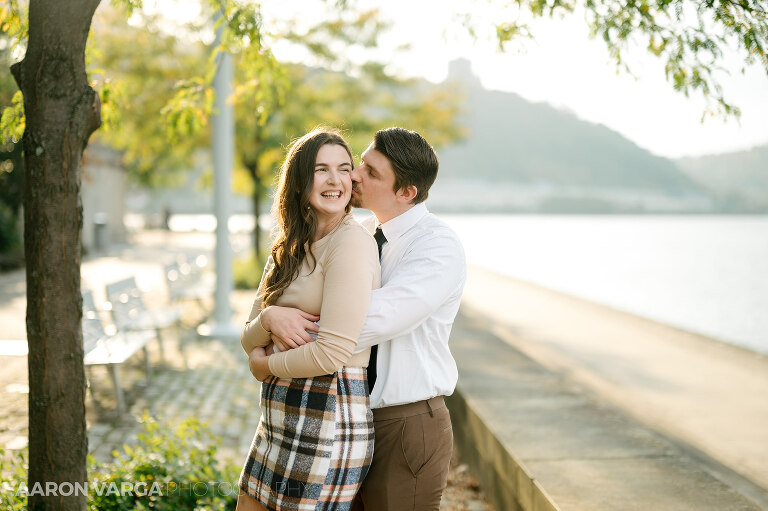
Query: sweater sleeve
[(351, 271), (254, 335)]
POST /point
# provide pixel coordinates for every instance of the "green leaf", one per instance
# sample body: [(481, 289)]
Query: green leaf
[(12, 122)]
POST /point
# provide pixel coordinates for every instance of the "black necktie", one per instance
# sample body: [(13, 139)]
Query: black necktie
[(380, 240)]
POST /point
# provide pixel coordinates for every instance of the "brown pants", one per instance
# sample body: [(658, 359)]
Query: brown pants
[(411, 455)]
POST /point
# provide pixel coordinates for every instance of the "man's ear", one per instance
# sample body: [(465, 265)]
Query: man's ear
[(407, 193)]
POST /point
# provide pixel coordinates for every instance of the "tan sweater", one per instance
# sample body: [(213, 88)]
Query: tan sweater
[(339, 291)]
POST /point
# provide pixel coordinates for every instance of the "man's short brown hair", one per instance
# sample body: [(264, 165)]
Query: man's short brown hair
[(413, 160)]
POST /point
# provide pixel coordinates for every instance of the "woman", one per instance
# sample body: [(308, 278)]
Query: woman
[(314, 443)]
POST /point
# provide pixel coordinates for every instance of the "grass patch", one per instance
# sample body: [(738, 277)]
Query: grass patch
[(247, 271)]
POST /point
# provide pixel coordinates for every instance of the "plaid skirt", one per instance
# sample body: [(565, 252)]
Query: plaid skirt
[(314, 443)]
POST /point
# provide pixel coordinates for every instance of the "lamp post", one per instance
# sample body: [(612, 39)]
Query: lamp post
[(223, 145)]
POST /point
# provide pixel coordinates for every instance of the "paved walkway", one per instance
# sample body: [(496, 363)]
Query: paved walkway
[(707, 399), (207, 379)]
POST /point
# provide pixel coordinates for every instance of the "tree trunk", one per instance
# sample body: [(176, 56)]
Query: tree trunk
[(253, 169), (61, 112)]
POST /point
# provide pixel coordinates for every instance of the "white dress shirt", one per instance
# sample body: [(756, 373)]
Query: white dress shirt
[(423, 271)]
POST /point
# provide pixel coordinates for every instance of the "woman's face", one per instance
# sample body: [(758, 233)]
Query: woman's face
[(332, 187)]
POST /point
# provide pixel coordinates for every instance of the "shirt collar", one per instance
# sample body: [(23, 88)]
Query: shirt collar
[(398, 226)]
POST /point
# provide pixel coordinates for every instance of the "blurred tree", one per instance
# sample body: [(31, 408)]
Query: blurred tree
[(11, 167), (690, 37), (138, 68)]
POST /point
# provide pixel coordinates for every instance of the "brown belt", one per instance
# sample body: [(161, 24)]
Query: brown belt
[(408, 409)]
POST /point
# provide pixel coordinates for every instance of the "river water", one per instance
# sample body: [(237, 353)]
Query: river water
[(705, 274)]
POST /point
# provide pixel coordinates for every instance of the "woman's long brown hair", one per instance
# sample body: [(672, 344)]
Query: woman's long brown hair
[(296, 221)]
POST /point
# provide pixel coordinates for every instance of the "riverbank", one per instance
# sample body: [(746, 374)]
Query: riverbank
[(707, 397)]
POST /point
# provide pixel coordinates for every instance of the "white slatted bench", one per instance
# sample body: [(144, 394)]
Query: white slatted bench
[(187, 283), (110, 351), (130, 313)]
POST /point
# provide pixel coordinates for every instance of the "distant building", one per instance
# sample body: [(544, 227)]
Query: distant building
[(188, 202), (475, 196), (103, 195)]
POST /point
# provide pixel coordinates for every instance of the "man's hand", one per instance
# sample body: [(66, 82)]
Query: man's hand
[(282, 345), (279, 343), (289, 326), (258, 363)]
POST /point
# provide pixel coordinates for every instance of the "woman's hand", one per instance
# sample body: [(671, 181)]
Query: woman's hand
[(258, 362), (289, 326)]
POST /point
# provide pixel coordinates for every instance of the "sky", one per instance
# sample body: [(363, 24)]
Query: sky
[(563, 67)]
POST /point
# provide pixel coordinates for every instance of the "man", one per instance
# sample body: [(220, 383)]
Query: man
[(409, 321)]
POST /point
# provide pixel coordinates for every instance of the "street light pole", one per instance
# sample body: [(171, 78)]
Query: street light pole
[(223, 145)]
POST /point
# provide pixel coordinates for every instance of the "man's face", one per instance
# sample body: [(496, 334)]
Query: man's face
[(373, 183)]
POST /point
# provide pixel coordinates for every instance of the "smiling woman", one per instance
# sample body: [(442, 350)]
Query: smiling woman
[(332, 187), (314, 442)]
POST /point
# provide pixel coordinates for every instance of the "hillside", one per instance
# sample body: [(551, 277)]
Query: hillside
[(739, 179), (511, 139)]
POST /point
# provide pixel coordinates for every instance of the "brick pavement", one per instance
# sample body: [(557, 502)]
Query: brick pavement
[(216, 388)]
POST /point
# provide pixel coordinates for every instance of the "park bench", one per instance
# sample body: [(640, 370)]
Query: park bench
[(130, 313), (186, 282), (110, 350)]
